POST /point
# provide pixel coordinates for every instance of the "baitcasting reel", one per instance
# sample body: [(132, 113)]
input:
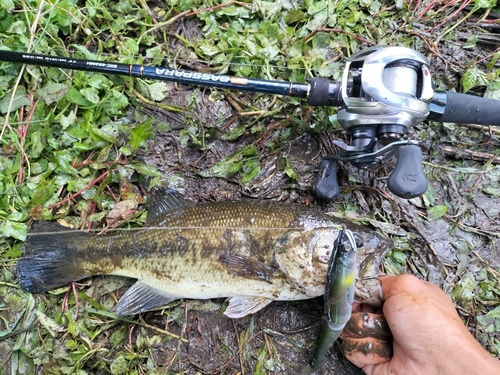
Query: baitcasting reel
[(385, 91)]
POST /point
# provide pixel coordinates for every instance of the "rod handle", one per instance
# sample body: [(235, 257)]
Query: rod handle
[(450, 106)]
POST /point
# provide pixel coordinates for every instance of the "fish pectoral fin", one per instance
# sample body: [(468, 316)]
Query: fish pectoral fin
[(249, 268), (141, 297), (242, 306)]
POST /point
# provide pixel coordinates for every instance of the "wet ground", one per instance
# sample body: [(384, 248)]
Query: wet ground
[(451, 236)]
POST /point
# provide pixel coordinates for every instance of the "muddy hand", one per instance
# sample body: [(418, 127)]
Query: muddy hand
[(428, 336), (367, 334)]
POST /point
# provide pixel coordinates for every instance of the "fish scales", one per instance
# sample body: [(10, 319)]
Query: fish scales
[(254, 252), (191, 240)]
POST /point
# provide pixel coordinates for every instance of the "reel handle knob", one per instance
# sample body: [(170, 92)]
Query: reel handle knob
[(408, 180), (325, 186)]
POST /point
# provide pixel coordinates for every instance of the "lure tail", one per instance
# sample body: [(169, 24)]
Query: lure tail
[(307, 370), (327, 335), (49, 260)]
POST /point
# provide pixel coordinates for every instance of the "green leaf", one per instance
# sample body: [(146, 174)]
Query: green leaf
[(471, 42), (107, 132), (483, 4), (8, 5), (115, 103), (493, 90), (91, 94), (66, 121), (120, 365), (14, 252), (290, 172), (473, 77), (75, 97), (158, 91), (48, 323), (140, 134), (209, 49), (77, 131), (490, 321), (269, 9), (18, 27), (492, 190), (14, 229), (53, 92), (37, 143), (436, 212), (44, 192), (365, 3), (234, 133), (99, 82), (147, 170), (428, 196), (294, 15), (20, 99), (250, 169), (230, 165)]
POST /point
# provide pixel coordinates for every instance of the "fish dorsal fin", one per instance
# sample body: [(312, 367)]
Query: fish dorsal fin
[(242, 306), (141, 297), (162, 200)]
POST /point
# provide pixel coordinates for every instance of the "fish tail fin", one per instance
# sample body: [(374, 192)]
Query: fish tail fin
[(50, 257)]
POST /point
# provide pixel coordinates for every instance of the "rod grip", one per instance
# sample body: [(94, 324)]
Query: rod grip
[(470, 109)]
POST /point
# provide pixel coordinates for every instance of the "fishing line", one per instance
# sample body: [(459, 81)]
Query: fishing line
[(107, 231)]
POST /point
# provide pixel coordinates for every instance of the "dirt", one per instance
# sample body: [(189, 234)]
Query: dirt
[(219, 345)]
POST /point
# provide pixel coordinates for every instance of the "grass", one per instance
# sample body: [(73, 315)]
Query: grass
[(76, 146)]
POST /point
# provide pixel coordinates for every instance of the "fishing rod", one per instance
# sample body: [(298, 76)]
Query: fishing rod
[(384, 92), (318, 92)]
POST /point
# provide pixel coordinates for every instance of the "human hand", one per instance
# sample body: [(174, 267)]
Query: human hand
[(428, 336)]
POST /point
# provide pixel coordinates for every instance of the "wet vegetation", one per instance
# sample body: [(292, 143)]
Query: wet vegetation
[(83, 148)]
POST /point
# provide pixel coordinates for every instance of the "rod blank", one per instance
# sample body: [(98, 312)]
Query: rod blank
[(161, 73)]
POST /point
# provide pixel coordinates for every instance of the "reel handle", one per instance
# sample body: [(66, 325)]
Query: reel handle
[(326, 186), (408, 180)]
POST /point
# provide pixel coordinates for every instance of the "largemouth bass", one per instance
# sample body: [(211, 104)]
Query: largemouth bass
[(254, 252)]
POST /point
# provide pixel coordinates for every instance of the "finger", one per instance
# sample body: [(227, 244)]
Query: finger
[(363, 324), (371, 309), (392, 285), (356, 306), (367, 351)]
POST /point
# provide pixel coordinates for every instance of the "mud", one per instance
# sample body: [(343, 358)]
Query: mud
[(281, 335)]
